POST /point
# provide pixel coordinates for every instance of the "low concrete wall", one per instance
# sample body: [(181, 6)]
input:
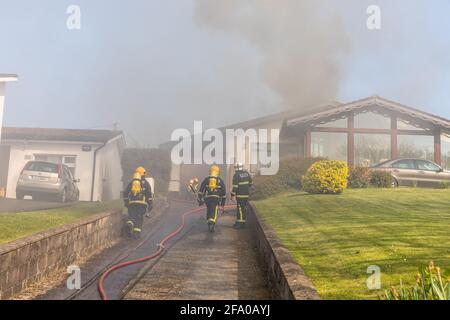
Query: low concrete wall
[(31, 259), (286, 278)]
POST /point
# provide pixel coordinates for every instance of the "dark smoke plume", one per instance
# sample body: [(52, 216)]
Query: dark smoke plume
[(300, 41)]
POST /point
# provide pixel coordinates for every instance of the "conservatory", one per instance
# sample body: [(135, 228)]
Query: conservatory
[(369, 131)]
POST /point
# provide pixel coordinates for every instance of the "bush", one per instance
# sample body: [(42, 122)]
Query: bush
[(156, 161), (381, 179), (326, 177), (430, 285), (359, 177), (444, 185), (287, 178)]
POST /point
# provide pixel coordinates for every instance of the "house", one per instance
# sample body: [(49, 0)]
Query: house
[(363, 133), (93, 156)]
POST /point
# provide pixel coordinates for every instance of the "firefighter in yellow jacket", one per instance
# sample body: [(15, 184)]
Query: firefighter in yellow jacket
[(138, 200), (212, 192)]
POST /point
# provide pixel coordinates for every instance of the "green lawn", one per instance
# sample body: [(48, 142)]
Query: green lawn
[(335, 238), (18, 225)]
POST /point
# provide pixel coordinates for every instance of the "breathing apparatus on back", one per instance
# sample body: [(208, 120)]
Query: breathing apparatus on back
[(137, 193), (136, 184), (214, 175)]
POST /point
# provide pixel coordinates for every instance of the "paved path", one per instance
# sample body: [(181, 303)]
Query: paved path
[(204, 266), (196, 265)]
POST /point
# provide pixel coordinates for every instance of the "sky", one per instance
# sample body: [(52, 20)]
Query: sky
[(153, 66)]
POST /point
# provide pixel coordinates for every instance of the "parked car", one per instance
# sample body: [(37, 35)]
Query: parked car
[(415, 172), (45, 179)]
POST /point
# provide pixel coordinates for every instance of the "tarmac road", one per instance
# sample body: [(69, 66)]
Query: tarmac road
[(14, 206)]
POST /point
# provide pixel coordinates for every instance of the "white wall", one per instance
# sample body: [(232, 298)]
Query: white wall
[(20, 151), (2, 105), (175, 178)]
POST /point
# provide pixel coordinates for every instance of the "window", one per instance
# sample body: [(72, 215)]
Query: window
[(445, 141), (48, 158), (371, 149), (71, 163), (404, 164), (329, 145), (339, 123), (69, 160), (403, 125), (416, 146), (42, 167), (371, 120), (427, 166)]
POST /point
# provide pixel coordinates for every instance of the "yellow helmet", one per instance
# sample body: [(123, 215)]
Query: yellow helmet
[(141, 171), (214, 171)]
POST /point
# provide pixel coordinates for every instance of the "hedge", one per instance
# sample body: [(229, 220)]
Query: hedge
[(288, 178)]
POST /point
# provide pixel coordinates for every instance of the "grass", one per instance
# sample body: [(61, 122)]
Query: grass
[(336, 238), (18, 225)]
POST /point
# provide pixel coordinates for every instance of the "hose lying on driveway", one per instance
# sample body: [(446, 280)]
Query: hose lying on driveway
[(161, 247)]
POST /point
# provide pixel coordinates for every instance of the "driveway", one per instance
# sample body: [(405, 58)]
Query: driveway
[(12, 205)]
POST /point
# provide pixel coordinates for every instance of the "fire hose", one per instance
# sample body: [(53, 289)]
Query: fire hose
[(161, 248)]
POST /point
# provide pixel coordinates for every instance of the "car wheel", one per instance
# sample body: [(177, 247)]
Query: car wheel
[(63, 196), (395, 183)]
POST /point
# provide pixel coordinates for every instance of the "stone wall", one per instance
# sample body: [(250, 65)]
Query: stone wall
[(286, 278), (31, 259)]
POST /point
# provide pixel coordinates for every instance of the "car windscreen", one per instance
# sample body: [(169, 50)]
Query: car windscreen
[(42, 167), (382, 164)]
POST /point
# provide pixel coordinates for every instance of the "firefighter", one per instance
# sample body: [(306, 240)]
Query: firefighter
[(192, 188), (212, 192), (242, 181), (138, 200)]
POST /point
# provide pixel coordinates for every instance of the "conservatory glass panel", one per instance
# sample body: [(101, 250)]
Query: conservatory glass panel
[(329, 145), (371, 149), (415, 146), (371, 120)]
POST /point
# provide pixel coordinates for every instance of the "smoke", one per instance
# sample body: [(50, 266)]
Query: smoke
[(300, 41)]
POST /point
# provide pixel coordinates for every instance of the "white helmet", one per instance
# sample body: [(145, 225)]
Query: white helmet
[(239, 166)]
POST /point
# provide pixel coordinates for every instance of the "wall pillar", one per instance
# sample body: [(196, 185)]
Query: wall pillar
[(438, 148), (351, 140), (2, 105), (308, 144), (394, 138)]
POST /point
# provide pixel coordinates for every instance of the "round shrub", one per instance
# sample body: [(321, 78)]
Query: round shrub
[(381, 179), (326, 177), (359, 177)]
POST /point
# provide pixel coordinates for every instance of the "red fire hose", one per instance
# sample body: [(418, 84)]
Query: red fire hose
[(161, 247)]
